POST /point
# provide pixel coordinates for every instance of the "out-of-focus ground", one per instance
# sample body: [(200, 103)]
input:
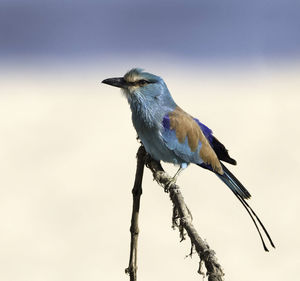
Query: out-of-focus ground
[(67, 167)]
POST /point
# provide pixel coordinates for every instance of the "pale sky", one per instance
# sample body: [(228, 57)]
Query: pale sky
[(190, 29)]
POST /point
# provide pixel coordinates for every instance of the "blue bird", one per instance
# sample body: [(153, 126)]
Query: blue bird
[(171, 135)]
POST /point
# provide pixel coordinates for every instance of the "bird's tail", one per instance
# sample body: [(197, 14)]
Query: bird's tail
[(242, 193), (234, 184)]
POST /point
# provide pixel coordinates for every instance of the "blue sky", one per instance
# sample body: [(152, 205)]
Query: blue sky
[(187, 29)]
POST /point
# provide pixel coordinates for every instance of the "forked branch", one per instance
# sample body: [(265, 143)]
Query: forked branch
[(181, 218)]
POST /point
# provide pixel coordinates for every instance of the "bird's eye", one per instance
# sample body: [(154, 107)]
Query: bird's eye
[(143, 82)]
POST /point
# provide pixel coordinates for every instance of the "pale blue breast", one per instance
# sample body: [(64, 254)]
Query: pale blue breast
[(158, 149), (151, 136)]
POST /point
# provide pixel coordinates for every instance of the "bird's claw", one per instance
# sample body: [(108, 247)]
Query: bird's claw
[(169, 183)]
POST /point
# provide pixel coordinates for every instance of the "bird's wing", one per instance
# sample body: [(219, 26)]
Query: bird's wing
[(217, 146), (183, 134)]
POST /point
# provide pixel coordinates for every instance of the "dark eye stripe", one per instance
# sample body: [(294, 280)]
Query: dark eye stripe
[(141, 82), (144, 82)]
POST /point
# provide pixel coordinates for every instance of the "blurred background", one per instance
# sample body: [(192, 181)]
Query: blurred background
[(68, 148)]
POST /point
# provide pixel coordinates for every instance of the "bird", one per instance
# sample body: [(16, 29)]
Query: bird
[(171, 135)]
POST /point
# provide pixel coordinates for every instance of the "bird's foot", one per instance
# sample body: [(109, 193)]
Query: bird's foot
[(172, 181), (169, 183)]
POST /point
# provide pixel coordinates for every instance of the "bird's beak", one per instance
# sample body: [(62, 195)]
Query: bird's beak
[(117, 82)]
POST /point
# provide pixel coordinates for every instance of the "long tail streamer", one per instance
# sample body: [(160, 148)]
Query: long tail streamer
[(241, 193)]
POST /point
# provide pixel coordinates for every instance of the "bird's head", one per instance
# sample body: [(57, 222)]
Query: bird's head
[(140, 86)]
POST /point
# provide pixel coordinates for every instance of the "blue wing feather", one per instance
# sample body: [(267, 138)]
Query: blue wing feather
[(218, 147), (208, 133)]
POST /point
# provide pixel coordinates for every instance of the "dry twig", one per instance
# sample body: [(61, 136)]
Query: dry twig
[(182, 219), (134, 227)]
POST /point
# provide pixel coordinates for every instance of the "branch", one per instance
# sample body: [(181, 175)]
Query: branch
[(134, 228), (183, 220)]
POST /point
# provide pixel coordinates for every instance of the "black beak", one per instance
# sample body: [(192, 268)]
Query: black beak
[(117, 82)]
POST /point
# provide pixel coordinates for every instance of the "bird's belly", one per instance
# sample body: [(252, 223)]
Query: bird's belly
[(158, 150)]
